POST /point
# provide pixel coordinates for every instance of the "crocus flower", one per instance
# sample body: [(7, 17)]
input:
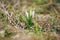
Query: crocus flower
[(26, 13), (31, 13)]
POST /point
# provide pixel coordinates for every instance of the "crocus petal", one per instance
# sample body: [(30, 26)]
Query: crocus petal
[(32, 13), (26, 13)]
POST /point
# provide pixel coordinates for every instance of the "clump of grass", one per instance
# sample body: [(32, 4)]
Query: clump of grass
[(37, 28), (27, 19)]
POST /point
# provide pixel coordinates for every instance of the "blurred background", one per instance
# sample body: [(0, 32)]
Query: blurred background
[(29, 19)]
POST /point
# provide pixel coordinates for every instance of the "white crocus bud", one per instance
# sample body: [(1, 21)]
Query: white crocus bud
[(26, 13), (32, 13)]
